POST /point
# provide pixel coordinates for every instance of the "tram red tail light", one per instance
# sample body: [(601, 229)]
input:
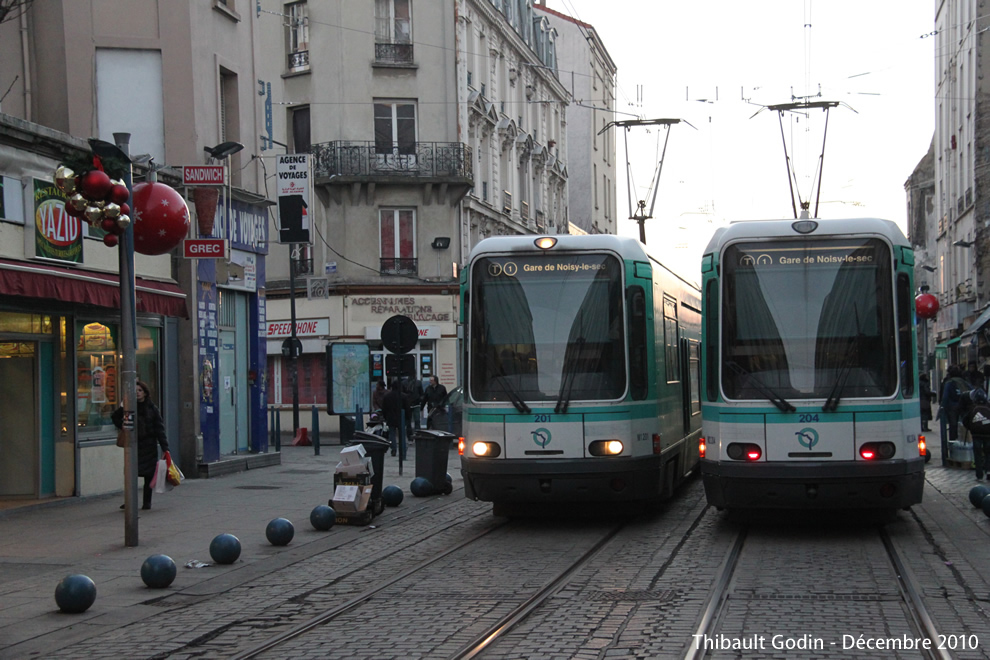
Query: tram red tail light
[(702, 447), (657, 447), (877, 450), (744, 451), (922, 446), (460, 446)]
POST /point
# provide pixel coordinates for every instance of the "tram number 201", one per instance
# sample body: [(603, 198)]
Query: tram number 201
[(805, 419), (543, 418)]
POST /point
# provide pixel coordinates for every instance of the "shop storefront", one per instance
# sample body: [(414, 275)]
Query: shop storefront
[(357, 319)]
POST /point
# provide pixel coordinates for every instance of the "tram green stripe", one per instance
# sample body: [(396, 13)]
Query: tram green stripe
[(886, 413)]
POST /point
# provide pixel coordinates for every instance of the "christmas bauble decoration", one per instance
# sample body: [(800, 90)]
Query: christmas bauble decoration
[(109, 225), (123, 220), (65, 179), (78, 202), (125, 209), (161, 218), (110, 240), (74, 212), (93, 214), (926, 306), (119, 194), (95, 185), (111, 210)]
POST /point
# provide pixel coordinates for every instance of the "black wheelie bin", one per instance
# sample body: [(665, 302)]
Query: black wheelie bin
[(432, 448), (375, 447)]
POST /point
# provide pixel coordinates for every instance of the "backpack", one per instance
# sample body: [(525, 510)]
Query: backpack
[(978, 420)]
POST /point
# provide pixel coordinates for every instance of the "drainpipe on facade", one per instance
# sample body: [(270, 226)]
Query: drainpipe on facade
[(26, 66)]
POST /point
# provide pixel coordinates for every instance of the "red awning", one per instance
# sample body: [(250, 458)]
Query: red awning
[(33, 279)]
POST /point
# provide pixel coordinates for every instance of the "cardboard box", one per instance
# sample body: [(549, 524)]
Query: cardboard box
[(354, 469), (352, 455), (346, 498), (351, 499)]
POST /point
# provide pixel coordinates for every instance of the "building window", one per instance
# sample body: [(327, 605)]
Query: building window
[(393, 31), (395, 127), (297, 35), (300, 130), (397, 229), (230, 122)]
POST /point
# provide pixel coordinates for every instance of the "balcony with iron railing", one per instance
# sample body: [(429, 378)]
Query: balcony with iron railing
[(398, 266), (393, 54), (299, 60), (344, 162)]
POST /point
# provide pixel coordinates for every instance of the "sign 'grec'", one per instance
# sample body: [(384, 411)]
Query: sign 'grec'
[(399, 334)]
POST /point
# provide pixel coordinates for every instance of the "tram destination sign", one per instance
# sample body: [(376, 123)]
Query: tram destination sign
[(831, 255)]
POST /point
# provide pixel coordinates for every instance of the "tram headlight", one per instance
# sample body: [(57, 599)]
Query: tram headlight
[(605, 448), (486, 449), (545, 242), (744, 451), (877, 450)]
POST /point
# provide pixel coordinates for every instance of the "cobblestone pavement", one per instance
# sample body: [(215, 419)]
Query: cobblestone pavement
[(640, 597)]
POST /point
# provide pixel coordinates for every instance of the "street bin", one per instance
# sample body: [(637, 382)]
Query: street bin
[(347, 424), (375, 447), (432, 448)]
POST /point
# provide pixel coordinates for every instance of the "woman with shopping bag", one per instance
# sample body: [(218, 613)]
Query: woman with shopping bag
[(150, 435)]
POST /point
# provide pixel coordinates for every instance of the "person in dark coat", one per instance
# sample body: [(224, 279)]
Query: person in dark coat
[(975, 414), (150, 436), (412, 389), (392, 407), (949, 403), (378, 395), (975, 377), (926, 395), (434, 395)]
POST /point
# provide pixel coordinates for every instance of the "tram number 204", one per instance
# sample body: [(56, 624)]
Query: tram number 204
[(804, 419)]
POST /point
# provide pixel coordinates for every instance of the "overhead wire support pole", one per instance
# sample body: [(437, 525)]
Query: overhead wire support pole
[(787, 163), (641, 215), (821, 164)]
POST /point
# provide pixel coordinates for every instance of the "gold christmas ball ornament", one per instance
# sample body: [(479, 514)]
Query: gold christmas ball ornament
[(93, 214), (78, 202), (65, 179), (123, 220), (111, 210)]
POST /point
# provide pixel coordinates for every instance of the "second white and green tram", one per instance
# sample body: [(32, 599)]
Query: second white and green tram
[(809, 394), (582, 372)]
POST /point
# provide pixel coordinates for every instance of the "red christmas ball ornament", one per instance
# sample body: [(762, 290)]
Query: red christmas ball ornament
[(94, 185), (119, 194), (926, 306), (161, 218), (109, 225), (125, 209), (110, 240)]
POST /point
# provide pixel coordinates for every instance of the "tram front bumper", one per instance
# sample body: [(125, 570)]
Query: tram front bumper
[(562, 480), (845, 484)]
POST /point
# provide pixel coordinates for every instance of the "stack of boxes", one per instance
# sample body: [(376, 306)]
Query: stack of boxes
[(352, 485)]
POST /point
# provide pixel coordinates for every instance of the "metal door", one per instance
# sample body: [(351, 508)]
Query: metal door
[(227, 386)]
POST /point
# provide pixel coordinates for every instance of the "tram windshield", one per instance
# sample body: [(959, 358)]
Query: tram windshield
[(547, 327), (808, 319)]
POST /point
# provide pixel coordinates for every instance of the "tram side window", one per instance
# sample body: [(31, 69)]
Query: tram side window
[(638, 381), (670, 339), (904, 327), (711, 340)]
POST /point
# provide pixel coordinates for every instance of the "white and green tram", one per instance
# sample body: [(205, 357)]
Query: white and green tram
[(809, 378), (582, 372)]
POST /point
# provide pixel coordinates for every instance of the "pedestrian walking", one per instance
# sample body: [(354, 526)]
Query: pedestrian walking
[(434, 395), (926, 396), (150, 436), (949, 405), (392, 407), (412, 388), (976, 418), (378, 395), (975, 377)]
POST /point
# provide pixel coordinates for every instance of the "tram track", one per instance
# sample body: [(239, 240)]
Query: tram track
[(710, 637)]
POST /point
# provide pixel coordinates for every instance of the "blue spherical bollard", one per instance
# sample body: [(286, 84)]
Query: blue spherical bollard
[(392, 496), (421, 487), (450, 479), (158, 571), (323, 517), (279, 531), (985, 504), (976, 495), (225, 549), (75, 593)]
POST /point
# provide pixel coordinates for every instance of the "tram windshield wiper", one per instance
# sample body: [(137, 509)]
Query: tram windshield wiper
[(514, 397), (567, 378), (832, 402), (766, 391)]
